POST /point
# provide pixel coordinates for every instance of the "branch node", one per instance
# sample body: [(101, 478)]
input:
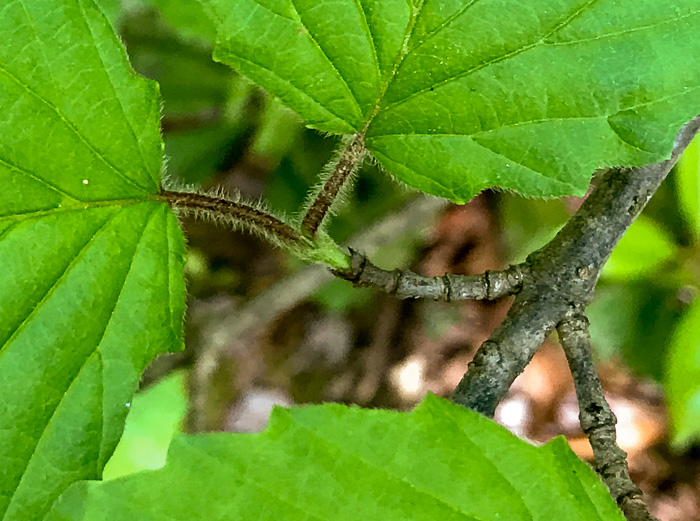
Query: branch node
[(447, 288), (487, 280), (358, 262), (392, 286)]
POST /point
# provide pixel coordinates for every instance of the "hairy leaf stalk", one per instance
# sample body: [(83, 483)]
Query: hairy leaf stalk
[(348, 163), (236, 213)]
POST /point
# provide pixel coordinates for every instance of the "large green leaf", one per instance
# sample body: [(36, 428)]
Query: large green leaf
[(337, 463), (91, 266), (455, 95)]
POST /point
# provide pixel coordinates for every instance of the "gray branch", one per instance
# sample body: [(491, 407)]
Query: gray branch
[(562, 274), (552, 280), (490, 285), (598, 420), (553, 286)]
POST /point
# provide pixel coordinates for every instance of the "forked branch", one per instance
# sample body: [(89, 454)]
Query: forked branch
[(562, 275), (553, 286)]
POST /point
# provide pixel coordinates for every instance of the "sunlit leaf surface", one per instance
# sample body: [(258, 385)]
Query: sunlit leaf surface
[(337, 463), (91, 266), (455, 96)]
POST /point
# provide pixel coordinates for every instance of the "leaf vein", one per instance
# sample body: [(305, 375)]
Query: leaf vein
[(41, 43), (19, 217), (55, 284), (491, 130), (37, 178), (529, 168), (382, 470), (410, 28), (618, 134), (257, 484), (267, 8), (73, 129), (128, 121), (498, 59), (94, 352), (6, 232), (290, 84), (446, 413), (370, 36), (327, 58), (444, 24), (626, 31)]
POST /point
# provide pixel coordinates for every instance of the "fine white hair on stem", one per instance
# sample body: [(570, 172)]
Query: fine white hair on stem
[(335, 182), (232, 210)]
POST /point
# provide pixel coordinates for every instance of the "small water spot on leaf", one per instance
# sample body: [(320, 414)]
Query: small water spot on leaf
[(85, 181)]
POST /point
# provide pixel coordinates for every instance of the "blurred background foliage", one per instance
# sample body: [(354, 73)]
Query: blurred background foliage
[(354, 345)]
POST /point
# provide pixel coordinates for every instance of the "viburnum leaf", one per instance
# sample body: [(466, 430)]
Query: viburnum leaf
[(340, 463), (458, 95), (91, 263)]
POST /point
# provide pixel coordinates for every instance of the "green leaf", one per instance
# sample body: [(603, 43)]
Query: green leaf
[(155, 416), (112, 9), (683, 378), (455, 96), (338, 463), (688, 176), (644, 247), (92, 283)]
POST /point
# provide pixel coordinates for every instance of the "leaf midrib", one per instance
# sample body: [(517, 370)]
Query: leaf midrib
[(107, 71), (73, 129), (408, 34), (95, 351), (511, 54), (81, 206)]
